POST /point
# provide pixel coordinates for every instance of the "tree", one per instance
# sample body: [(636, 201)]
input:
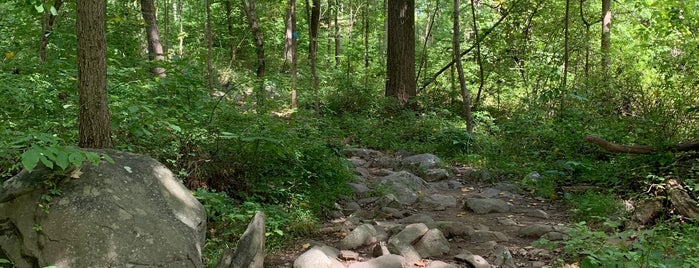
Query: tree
[(400, 64), (249, 8), (155, 48), (93, 117), (606, 40), (290, 42), (47, 27), (313, 47), (460, 70)]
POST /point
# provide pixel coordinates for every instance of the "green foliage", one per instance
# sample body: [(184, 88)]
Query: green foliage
[(596, 208), (665, 245)]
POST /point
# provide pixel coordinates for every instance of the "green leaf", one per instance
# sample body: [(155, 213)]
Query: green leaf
[(93, 157), (5, 261), (76, 158), (53, 11), (30, 158), (39, 8), (62, 160), (108, 158), (48, 163)]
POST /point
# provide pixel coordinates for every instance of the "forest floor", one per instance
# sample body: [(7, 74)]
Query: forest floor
[(525, 211)]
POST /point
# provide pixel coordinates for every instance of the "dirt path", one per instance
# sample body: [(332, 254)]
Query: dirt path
[(507, 223)]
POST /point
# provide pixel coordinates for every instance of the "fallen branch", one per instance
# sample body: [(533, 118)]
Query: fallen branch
[(639, 149), (681, 201)]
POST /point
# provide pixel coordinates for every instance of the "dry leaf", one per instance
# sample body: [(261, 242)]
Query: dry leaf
[(464, 189), (76, 174), (420, 263), (461, 214), (307, 245)]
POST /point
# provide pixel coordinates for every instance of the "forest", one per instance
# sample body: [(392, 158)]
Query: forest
[(251, 104)]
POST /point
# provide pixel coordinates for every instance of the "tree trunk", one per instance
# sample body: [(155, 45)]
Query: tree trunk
[(338, 37), (257, 33), (639, 149), (47, 29), (606, 43), (400, 67), (290, 54), (181, 34), (315, 23), (460, 70), (479, 61), (93, 117), (426, 38), (155, 48), (209, 47), (166, 28)]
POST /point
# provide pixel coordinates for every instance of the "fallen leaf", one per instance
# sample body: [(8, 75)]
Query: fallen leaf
[(307, 245), (420, 264), (76, 173), (461, 214), (464, 189)]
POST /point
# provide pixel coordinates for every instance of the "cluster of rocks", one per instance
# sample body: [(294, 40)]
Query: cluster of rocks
[(410, 211)]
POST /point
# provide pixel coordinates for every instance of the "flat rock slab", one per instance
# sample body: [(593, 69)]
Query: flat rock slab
[(386, 261), (487, 205), (316, 258)]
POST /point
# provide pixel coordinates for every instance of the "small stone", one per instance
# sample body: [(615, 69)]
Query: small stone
[(535, 230), (487, 205), (507, 221), (441, 264), (475, 261), (348, 255), (482, 236)]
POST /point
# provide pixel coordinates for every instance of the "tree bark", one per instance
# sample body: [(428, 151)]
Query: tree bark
[(428, 33), (315, 23), (93, 116), (456, 43), (481, 78), (257, 33), (400, 80), (290, 51), (566, 53), (681, 201), (338, 37), (606, 41), (155, 48), (47, 26)]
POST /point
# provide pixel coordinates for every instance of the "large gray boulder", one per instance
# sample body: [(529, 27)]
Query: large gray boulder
[(405, 186), (132, 213), (250, 251)]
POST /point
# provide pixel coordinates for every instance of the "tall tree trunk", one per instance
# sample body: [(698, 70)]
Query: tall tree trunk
[(365, 17), (155, 48), (606, 43), (229, 25), (329, 33), (350, 36), (338, 37), (181, 34), (209, 46), (47, 28), (479, 61), (291, 40), (257, 33), (315, 22), (460, 69), (166, 27), (93, 116), (400, 67)]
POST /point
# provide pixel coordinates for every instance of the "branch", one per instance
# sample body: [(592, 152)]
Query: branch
[(478, 41)]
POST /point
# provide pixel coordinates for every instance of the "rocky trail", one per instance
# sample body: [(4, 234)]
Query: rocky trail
[(413, 211)]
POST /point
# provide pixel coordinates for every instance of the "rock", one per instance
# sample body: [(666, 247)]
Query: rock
[(417, 218), (535, 230), (358, 188), (357, 162), (351, 207), (402, 242), (421, 162), (454, 228), (432, 244), (250, 251), (385, 162), (362, 172), (474, 260), (348, 255), (441, 264), (316, 258), (436, 174), (389, 200), (555, 236), (507, 187), (361, 153), (483, 236), (487, 246), (405, 186), (435, 202), (538, 264), (537, 213), (507, 221), (392, 212), (647, 211), (131, 212), (487, 205), (503, 258), (364, 234), (386, 261)]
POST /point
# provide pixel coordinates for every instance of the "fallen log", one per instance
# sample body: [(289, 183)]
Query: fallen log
[(681, 201), (639, 149)]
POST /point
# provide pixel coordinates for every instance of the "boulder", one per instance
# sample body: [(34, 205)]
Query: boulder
[(316, 257), (473, 260), (432, 244), (487, 205), (361, 153), (386, 261), (250, 251), (484, 236), (421, 162), (364, 234), (405, 186), (402, 242), (132, 212), (436, 174), (535, 230)]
